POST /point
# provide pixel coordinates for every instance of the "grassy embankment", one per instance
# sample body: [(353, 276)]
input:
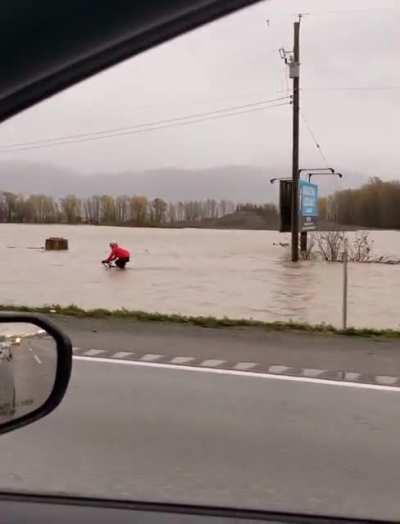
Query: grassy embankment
[(207, 322)]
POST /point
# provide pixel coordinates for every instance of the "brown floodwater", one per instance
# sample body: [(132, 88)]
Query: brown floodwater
[(239, 274)]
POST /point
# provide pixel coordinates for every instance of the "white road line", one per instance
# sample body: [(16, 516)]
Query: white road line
[(386, 380), (234, 372), (242, 366), (35, 356), (181, 360), (150, 357), (310, 372), (277, 369), (93, 352), (122, 354), (351, 376), (211, 363)]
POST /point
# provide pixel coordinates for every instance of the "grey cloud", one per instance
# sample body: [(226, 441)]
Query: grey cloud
[(235, 61)]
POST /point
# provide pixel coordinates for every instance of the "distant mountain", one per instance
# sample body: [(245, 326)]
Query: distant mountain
[(237, 183)]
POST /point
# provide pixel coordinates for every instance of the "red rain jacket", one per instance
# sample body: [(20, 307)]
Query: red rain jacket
[(118, 252)]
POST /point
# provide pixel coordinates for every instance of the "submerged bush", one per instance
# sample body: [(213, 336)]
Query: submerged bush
[(330, 246)]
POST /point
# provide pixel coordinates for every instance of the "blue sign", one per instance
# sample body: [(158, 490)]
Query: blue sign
[(308, 194)]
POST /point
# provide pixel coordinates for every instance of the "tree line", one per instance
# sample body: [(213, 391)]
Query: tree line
[(108, 210), (269, 212), (375, 204)]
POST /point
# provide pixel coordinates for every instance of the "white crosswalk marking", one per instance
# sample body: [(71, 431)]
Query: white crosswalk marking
[(122, 354), (385, 379), (310, 372), (150, 357), (351, 376), (244, 366), (278, 369), (211, 363), (93, 352), (181, 360)]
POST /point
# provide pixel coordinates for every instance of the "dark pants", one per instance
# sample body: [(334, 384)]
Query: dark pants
[(121, 262)]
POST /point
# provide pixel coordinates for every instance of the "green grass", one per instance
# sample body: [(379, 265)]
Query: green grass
[(207, 322)]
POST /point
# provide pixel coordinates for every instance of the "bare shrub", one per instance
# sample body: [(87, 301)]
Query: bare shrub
[(330, 245), (360, 248)]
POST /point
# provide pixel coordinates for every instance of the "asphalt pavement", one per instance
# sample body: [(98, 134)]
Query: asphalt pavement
[(30, 375), (167, 412), (332, 357), (134, 431), (35, 365)]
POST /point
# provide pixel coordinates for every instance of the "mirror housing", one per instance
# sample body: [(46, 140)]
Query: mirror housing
[(60, 358)]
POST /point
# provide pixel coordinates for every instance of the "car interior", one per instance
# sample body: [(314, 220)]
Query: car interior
[(46, 47)]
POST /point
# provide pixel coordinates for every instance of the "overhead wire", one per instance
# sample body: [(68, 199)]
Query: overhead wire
[(351, 88), (342, 12), (331, 200), (314, 139), (148, 127), (199, 117), (117, 130), (353, 11)]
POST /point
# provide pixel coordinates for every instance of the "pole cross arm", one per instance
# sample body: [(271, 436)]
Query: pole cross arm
[(319, 171), (273, 180)]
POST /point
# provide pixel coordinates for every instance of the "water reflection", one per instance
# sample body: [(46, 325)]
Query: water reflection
[(240, 274), (293, 289)]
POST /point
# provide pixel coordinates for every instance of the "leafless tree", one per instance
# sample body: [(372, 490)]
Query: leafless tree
[(122, 209), (71, 209), (139, 210), (91, 209)]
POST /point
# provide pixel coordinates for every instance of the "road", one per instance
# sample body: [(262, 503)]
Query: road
[(29, 376), (145, 431), (333, 357)]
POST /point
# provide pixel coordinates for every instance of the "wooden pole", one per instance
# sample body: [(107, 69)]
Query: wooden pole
[(345, 285), (295, 152)]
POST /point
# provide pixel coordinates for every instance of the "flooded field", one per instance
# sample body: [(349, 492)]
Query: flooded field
[(239, 274)]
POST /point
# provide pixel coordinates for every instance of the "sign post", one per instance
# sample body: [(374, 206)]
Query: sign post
[(304, 207), (307, 205), (285, 205), (345, 285), (308, 211)]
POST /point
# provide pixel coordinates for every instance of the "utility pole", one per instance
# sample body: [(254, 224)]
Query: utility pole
[(292, 59), (294, 68)]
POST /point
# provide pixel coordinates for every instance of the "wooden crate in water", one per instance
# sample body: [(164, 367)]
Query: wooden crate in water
[(56, 244)]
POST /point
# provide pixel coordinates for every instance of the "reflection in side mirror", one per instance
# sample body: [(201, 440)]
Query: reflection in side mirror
[(35, 365), (28, 364)]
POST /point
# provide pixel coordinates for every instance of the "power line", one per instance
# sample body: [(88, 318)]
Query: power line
[(126, 129), (142, 130), (352, 88), (314, 139), (352, 11), (344, 12)]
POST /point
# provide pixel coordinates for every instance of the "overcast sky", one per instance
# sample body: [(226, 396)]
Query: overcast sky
[(235, 61)]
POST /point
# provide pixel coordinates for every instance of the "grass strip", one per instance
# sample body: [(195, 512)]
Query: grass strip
[(202, 321)]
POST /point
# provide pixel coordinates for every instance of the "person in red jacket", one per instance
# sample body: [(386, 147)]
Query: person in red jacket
[(118, 254)]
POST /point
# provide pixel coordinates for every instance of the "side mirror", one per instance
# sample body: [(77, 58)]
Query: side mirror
[(35, 368)]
